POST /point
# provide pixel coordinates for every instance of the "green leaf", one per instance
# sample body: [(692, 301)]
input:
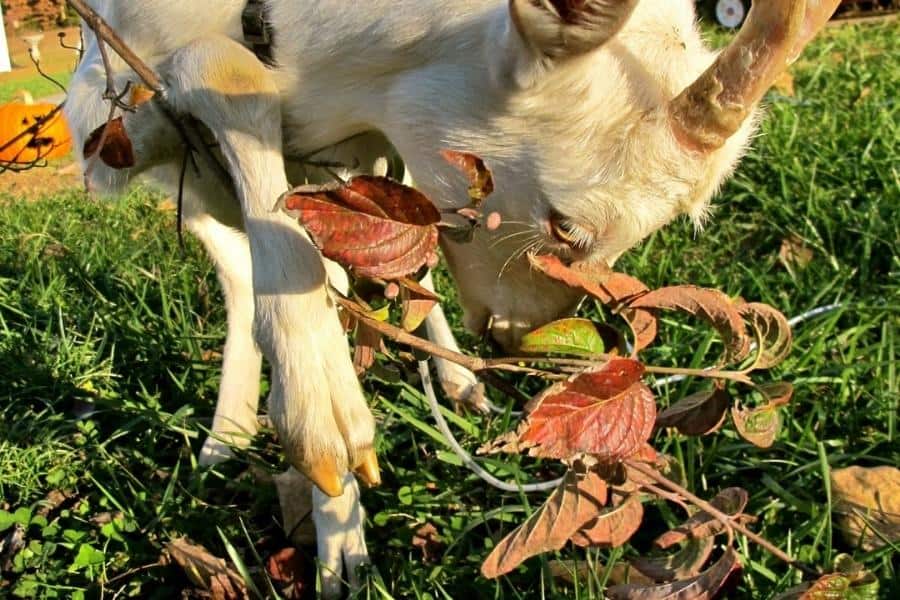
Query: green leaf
[(87, 556), (579, 337)]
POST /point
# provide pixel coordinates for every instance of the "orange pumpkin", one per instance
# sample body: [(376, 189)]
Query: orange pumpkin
[(51, 139)]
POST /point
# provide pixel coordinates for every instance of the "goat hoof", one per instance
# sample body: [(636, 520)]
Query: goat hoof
[(468, 397), (368, 470), (325, 474)]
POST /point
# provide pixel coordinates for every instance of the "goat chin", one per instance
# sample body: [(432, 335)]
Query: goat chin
[(601, 121)]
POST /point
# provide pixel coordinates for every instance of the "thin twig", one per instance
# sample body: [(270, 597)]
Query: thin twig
[(720, 516)]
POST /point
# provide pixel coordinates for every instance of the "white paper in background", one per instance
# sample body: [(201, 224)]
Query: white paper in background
[(4, 49)]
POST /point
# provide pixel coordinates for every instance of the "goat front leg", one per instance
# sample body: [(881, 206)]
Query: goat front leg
[(459, 383), (316, 402)]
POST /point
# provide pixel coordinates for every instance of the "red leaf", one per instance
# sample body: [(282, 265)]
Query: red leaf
[(575, 502), (607, 287), (117, 151), (367, 343), (287, 569), (687, 562), (481, 182), (607, 412), (711, 305), (375, 226)]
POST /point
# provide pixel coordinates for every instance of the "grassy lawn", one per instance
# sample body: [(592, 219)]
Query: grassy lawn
[(108, 374)]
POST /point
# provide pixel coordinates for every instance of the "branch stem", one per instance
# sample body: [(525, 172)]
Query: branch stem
[(720, 516)]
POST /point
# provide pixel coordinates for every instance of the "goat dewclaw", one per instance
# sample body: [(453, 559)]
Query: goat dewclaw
[(593, 114)]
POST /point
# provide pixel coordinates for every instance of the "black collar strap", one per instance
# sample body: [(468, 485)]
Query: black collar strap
[(258, 30)]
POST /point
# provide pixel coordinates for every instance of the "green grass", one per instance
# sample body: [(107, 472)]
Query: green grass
[(99, 310), (37, 86)]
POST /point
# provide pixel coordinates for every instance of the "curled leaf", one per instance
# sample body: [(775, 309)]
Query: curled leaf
[(614, 526), (730, 501), (612, 289), (759, 426), (578, 337), (685, 563), (117, 151), (373, 225), (606, 412), (698, 414), (417, 302), (702, 587), (481, 181), (773, 333), (575, 502), (711, 305)]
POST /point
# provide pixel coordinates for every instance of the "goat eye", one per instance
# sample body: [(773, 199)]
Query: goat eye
[(568, 233)]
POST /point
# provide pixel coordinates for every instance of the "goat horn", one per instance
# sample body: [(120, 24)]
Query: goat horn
[(711, 109)]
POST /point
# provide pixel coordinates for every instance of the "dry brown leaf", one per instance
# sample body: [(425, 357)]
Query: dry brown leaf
[(759, 426), (481, 182), (366, 344), (614, 526), (117, 151), (730, 501), (607, 412), (572, 572), (687, 562), (610, 288), (868, 502), (772, 331), (206, 571), (702, 587), (417, 302), (794, 253), (784, 84), (698, 414), (429, 542), (575, 502), (711, 305)]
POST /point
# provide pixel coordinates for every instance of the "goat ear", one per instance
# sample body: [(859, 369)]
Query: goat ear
[(561, 28)]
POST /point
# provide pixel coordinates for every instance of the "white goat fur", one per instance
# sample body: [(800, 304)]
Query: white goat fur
[(585, 136)]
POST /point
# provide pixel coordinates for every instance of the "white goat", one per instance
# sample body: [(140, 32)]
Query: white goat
[(602, 120)]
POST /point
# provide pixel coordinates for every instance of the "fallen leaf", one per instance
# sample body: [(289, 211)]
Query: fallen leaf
[(850, 581), (417, 302), (295, 498), (481, 182), (287, 569), (687, 562), (731, 501), (711, 305), (577, 337), (117, 151), (698, 414), (606, 411), (206, 571), (374, 226), (867, 501), (575, 502), (784, 84), (772, 331), (429, 542), (702, 587), (614, 526), (794, 253), (612, 289)]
